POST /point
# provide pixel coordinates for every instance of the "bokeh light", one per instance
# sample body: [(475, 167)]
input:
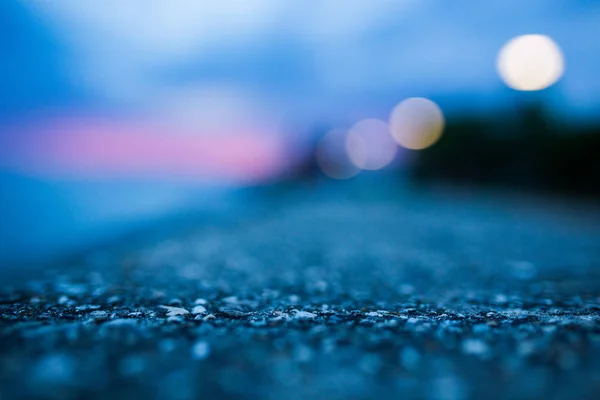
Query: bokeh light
[(369, 144), (530, 62), (332, 158), (417, 123)]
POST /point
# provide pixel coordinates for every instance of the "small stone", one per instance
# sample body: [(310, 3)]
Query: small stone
[(303, 314), (63, 299), (55, 369), (279, 319), (390, 323), (200, 350), (209, 317), (230, 300), (72, 288), (370, 363), (501, 299), (175, 302), (328, 345), (303, 353), (200, 301), (523, 270), (99, 315), (294, 299), (406, 289), (86, 307), (175, 311), (475, 347), (120, 322), (199, 310), (232, 313), (409, 358), (481, 328), (321, 285), (549, 329), (526, 348), (167, 345)]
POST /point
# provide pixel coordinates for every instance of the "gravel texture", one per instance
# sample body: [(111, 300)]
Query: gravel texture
[(396, 296)]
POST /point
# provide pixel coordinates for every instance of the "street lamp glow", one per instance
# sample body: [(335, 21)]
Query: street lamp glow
[(369, 144), (530, 62), (417, 123)]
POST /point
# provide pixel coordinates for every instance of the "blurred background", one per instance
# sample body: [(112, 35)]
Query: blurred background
[(114, 114)]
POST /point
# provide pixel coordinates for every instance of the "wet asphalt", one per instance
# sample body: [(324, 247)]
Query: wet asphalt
[(434, 295)]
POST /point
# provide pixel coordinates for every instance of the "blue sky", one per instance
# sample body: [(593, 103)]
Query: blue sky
[(300, 58)]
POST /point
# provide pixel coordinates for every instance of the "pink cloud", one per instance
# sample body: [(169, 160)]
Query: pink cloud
[(111, 149)]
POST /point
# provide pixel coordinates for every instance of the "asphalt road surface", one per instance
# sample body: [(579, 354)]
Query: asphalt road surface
[(321, 295)]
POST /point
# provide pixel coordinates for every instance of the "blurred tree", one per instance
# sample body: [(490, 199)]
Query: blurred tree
[(523, 149)]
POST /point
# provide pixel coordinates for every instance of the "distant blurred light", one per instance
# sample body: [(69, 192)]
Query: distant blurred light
[(530, 62), (417, 123), (369, 144), (332, 158)]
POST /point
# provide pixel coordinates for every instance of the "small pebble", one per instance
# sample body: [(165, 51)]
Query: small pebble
[(303, 353), (409, 358), (198, 310), (99, 315), (475, 347), (303, 314), (175, 302), (230, 300), (200, 350), (294, 299), (121, 322), (167, 345), (86, 307), (175, 311)]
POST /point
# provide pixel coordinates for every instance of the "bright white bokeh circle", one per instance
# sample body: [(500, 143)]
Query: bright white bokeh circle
[(530, 62)]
